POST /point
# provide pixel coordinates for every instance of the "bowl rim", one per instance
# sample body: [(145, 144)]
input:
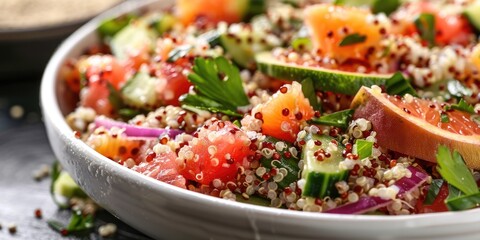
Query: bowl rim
[(52, 113)]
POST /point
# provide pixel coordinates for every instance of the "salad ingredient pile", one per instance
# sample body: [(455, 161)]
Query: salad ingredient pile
[(345, 107)]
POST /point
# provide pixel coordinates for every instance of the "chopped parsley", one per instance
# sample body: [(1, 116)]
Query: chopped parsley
[(218, 87), (444, 118), (463, 106), (308, 90), (425, 24), (339, 119), (433, 191), (78, 223), (351, 39), (364, 148), (399, 85), (453, 170)]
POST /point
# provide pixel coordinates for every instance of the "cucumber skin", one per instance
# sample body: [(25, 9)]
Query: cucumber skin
[(323, 79), (472, 13), (320, 185)]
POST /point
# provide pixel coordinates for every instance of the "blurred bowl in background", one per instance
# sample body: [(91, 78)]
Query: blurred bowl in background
[(27, 49)]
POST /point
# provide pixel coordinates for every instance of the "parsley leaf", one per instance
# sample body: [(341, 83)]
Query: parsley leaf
[(218, 85), (399, 85), (444, 118), (385, 6), (425, 24), (351, 39), (78, 223), (463, 202), (364, 148), (339, 119), (453, 170), (433, 191), (463, 106), (308, 90)]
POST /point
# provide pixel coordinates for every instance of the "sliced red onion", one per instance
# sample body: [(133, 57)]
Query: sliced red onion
[(368, 204), (136, 131)]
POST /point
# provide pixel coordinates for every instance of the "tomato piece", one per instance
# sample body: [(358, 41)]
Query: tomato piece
[(284, 112), (99, 71), (217, 153), (438, 204), (449, 28), (173, 83)]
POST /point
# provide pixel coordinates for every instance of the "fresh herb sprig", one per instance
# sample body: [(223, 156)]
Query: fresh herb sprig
[(453, 170), (218, 87), (351, 39), (425, 24), (364, 148), (308, 90), (78, 223), (339, 119), (463, 106)]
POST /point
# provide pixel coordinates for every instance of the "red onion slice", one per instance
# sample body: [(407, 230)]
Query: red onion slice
[(135, 131), (368, 204)]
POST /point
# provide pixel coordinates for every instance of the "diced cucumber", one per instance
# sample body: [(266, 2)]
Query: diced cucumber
[(320, 176), (289, 163), (139, 91), (241, 43), (66, 187), (135, 37), (324, 79), (164, 23), (472, 12)]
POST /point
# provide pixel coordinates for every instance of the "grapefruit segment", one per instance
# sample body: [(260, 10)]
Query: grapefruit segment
[(414, 127)]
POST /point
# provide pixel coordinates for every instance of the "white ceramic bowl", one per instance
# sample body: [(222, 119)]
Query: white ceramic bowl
[(164, 211)]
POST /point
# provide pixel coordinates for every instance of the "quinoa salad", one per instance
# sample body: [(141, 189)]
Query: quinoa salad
[(343, 107)]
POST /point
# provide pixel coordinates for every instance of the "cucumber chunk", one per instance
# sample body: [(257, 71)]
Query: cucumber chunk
[(320, 176), (472, 12), (139, 91), (135, 37)]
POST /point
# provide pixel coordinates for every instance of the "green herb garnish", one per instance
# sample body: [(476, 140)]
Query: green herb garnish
[(339, 119), (351, 39), (364, 148), (453, 170), (433, 191), (78, 223), (178, 52), (399, 85), (463, 202), (385, 6), (308, 90), (463, 106), (192, 101), (444, 118), (425, 24), (218, 86)]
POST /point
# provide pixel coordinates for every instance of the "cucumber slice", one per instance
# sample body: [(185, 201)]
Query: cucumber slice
[(134, 37), (472, 12), (139, 91), (320, 176), (324, 79)]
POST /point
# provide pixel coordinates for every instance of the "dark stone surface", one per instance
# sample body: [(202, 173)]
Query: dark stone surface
[(24, 148)]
